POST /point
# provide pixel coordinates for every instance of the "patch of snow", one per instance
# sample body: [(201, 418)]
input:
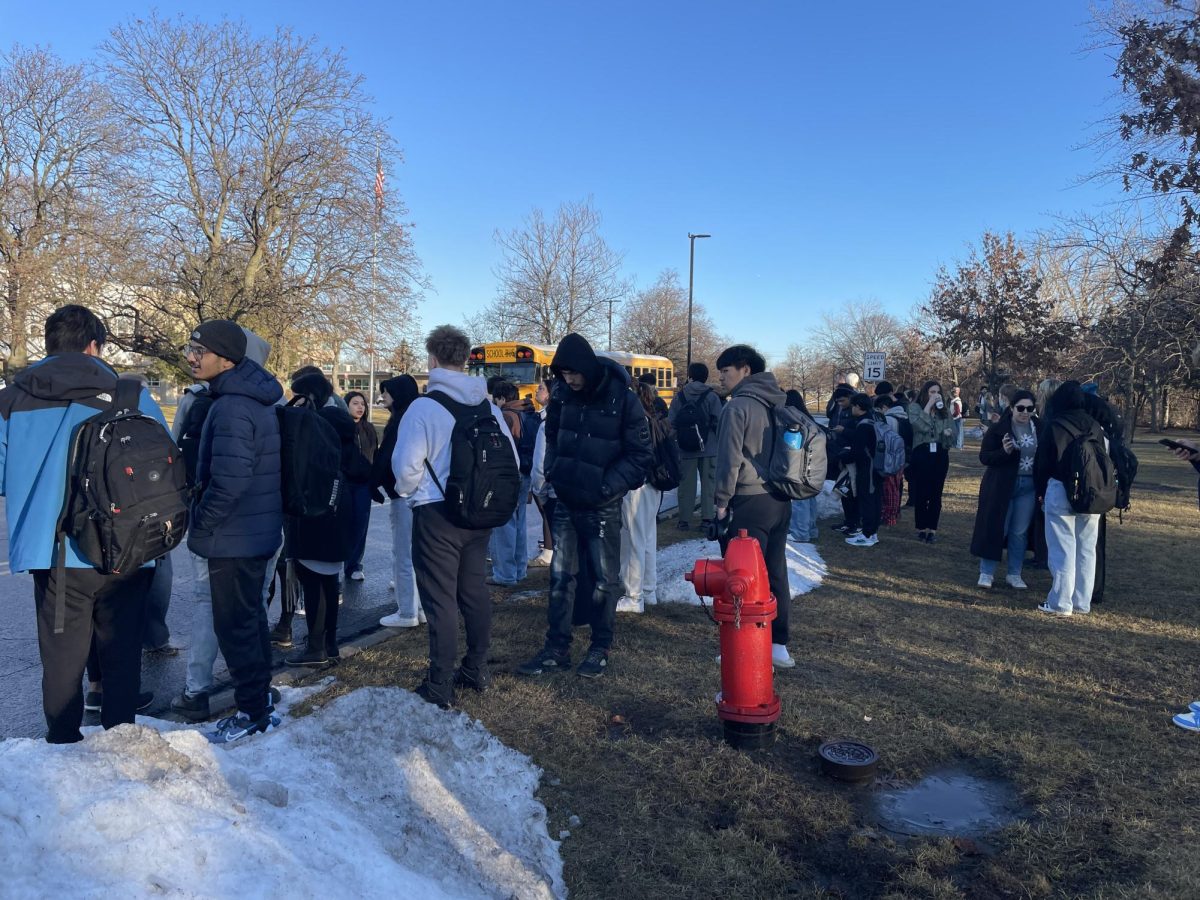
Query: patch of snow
[(828, 504), (376, 794), (806, 568)]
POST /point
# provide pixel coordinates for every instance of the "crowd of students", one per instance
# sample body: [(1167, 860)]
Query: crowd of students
[(458, 467)]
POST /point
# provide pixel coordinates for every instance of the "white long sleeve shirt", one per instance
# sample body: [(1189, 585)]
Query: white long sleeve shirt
[(424, 434)]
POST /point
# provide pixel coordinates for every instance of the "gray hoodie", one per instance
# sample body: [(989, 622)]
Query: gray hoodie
[(706, 399), (743, 445)]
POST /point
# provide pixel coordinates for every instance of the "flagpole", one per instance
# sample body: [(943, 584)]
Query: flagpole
[(374, 256)]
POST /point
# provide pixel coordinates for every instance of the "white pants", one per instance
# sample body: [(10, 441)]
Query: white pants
[(639, 543), (1071, 552)]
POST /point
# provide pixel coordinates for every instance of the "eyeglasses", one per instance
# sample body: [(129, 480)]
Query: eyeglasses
[(1023, 408), (194, 350)]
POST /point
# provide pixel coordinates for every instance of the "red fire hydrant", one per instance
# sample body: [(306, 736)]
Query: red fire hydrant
[(743, 607)]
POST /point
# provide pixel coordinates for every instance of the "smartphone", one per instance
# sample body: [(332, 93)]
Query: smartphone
[(1174, 445)]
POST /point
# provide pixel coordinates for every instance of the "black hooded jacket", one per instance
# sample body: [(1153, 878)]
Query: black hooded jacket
[(1067, 417), (597, 439), (403, 390)]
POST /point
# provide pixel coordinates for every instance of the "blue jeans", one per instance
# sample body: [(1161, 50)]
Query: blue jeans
[(202, 645), (360, 503), (596, 532), (803, 525), (510, 544), (958, 434), (1016, 526), (402, 562)]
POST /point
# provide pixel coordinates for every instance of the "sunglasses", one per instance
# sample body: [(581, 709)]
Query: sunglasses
[(1023, 408)]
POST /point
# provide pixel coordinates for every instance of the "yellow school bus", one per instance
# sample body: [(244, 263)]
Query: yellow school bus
[(527, 364)]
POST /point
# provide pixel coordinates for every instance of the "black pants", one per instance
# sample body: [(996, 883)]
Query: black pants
[(158, 601), (927, 479), (869, 485), (320, 608), (109, 607), (585, 539), (546, 508), (240, 622), (851, 515), (451, 564), (766, 520)]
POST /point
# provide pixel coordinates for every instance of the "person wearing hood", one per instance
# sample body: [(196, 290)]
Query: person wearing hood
[(237, 513), (321, 545), (449, 560), (597, 450), (509, 545), (192, 702), (1070, 536), (892, 408), (743, 454), (700, 408), (398, 394), (802, 526), (39, 411), (366, 439), (840, 428)]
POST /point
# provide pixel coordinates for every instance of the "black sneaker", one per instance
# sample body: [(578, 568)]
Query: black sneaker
[(593, 664), (234, 728), (549, 660), (162, 652), (145, 698), (281, 637), (309, 657), (440, 695), (275, 695), (193, 707), (683, 526), (479, 680), (91, 701)]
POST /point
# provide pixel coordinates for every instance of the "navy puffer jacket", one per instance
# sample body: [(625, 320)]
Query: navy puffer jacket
[(597, 439), (238, 511)]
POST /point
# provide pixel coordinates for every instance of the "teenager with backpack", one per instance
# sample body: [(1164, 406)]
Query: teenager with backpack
[(694, 414), (802, 527), (40, 411), (1075, 482), (398, 394), (510, 543), (456, 463), (744, 448), (859, 457), (237, 513), (366, 439), (639, 514), (597, 449), (896, 416), (933, 436), (1007, 495)]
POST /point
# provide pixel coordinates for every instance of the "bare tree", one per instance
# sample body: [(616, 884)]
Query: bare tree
[(808, 371), (255, 167), (557, 276), (854, 329), (57, 146), (655, 321)]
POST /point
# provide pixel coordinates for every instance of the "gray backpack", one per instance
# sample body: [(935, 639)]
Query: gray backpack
[(796, 465), (889, 455)]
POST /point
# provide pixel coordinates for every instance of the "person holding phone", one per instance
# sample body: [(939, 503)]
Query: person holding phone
[(933, 436), (1007, 498)]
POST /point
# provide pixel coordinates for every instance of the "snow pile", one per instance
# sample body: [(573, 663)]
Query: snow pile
[(806, 569), (377, 794), (828, 503)]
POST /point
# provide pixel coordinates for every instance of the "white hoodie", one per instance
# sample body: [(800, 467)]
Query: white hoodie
[(424, 434)]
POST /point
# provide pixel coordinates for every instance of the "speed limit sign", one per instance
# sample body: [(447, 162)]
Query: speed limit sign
[(873, 366)]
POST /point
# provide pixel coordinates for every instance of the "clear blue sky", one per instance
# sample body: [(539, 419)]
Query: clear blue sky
[(834, 151)]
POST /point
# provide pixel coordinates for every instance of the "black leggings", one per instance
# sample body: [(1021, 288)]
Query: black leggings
[(927, 479), (320, 608)]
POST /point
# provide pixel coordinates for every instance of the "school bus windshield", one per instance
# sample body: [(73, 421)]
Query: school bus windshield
[(518, 373)]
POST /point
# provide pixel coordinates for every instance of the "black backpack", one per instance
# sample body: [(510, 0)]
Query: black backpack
[(1088, 473), (310, 455), (126, 502), (530, 423), (691, 424), (1127, 466), (664, 471), (484, 484)]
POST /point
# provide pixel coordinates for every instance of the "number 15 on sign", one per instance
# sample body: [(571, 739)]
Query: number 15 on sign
[(873, 367)]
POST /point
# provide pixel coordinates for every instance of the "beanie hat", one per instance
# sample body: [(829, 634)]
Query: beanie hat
[(222, 337)]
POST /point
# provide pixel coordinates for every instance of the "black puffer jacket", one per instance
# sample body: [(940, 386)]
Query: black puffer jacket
[(597, 439), (403, 390)]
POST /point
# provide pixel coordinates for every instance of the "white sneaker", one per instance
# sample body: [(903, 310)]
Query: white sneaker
[(985, 581), (780, 658), (391, 585), (542, 560), (1188, 721), (629, 605), (851, 535), (1016, 582), (395, 620), (357, 575), (861, 540), (1054, 612), (421, 615)]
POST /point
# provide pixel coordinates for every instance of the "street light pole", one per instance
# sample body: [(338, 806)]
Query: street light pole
[(691, 281)]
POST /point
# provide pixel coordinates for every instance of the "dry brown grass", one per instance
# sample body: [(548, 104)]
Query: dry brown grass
[(1074, 712)]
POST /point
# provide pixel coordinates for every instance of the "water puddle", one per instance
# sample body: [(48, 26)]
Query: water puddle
[(949, 803)]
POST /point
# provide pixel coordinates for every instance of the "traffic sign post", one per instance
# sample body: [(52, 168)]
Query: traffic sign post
[(873, 366)]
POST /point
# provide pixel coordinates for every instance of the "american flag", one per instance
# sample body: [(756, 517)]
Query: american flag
[(379, 185)]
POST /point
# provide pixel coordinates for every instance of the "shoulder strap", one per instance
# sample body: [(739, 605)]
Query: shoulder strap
[(459, 411)]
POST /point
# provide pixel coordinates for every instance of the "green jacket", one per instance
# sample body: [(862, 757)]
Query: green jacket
[(927, 429)]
